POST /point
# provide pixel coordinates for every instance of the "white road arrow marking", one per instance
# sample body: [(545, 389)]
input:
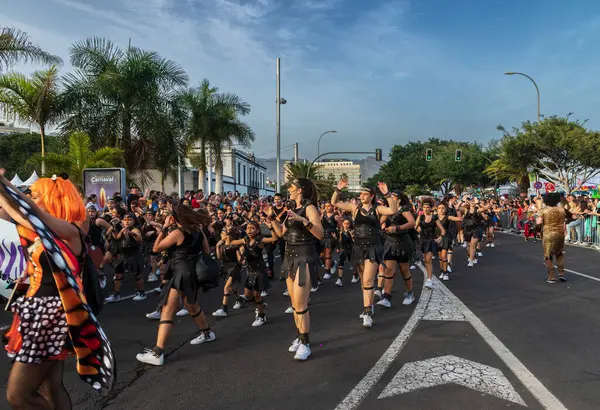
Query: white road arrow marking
[(441, 308), (451, 369)]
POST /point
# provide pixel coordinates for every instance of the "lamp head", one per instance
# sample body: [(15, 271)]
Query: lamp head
[(509, 73)]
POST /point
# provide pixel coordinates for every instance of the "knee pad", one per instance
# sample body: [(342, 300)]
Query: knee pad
[(407, 279), (165, 322), (369, 288), (389, 277), (197, 314), (302, 312)]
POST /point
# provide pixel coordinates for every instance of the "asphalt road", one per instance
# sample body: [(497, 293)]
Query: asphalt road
[(495, 336)]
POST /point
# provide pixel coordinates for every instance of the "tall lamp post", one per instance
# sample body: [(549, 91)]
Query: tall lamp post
[(536, 89), (319, 143), (278, 103)]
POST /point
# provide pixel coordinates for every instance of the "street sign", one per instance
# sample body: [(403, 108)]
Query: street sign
[(537, 185), (550, 187)]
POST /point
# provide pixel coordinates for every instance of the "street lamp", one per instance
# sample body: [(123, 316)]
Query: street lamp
[(319, 143), (536, 89)]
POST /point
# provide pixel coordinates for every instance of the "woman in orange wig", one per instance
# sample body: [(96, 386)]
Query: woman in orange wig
[(52, 319)]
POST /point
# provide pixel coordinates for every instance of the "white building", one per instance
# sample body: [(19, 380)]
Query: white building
[(241, 173), (343, 168), (7, 129)]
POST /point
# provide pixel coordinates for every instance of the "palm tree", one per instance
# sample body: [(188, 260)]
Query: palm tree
[(294, 170), (503, 170), (80, 155), (33, 100), (15, 46), (115, 95), (211, 123), (228, 130)]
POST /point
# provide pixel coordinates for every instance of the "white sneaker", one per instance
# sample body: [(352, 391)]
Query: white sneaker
[(102, 280), (449, 268), (264, 294), (487, 245), (493, 245), (153, 278), (203, 337), (334, 268), (475, 261), (385, 303), (139, 296), (409, 298), (470, 265), (239, 303), (113, 297), (355, 279), (220, 313), (294, 347), (445, 277), (327, 276), (259, 321), (367, 321), (303, 352), (429, 284), (339, 282), (149, 357), (441, 275), (286, 293), (372, 312), (464, 245), (479, 254), (157, 290), (182, 312), (412, 267), (154, 315), (289, 310), (314, 289), (377, 293)]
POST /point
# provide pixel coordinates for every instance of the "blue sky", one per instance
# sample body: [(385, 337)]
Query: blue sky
[(379, 72)]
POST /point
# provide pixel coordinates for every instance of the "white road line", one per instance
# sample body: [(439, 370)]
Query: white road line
[(537, 389), (582, 274), (363, 388)]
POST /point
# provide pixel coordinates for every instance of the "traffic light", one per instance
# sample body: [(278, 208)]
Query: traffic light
[(378, 154), (428, 154), (458, 155)]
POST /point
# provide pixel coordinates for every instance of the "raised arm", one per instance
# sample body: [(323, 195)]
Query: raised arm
[(392, 207), (344, 206)]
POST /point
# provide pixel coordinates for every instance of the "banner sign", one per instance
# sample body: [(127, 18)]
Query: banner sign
[(104, 182), (12, 257)]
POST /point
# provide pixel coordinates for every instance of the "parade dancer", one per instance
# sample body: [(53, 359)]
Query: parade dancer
[(367, 253), (397, 250), (230, 263), (346, 241), (426, 225), (52, 319), (445, 246), (553, 218), (184, 245), (257, 280), (331, 223), (301, 261)]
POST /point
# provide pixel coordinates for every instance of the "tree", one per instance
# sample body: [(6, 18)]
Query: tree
[(79, 156), (313, 172), (503, 170), (114, 96), (16, 149), (563, 152), (447, 172), (212, 123), (33, 100), (15, 46)]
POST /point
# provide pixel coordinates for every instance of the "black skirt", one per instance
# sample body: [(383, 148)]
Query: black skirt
[(182, 277), (257, 278), (233, 271), (329, 242), (367, 249), (398, 248), (429, 245), (299, 256)]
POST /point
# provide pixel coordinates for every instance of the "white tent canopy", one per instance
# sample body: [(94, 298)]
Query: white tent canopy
[(16, 181), (34, 177)]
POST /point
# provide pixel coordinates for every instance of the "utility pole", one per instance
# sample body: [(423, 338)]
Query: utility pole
[(278, 132), (295, 152)]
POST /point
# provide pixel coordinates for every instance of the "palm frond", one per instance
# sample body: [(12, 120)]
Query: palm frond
[(15, 46)]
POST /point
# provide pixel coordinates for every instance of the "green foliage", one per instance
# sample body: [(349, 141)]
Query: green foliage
[(561, 151), (324, 186), (408, 166), (79, 156), (16, 149), (15, 47)]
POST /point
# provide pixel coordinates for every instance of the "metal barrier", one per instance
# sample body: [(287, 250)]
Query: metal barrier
[(584, 231)]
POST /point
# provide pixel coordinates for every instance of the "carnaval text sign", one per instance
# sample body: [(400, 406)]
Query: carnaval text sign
[(104, 182), (12, 257)]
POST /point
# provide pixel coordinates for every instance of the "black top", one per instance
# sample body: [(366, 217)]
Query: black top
[(398, 220), (428, 228), (95, 234), (346, 240), (366, 223), (188, 251), (253, 252), (128, 244), (472, 219), (296, 231), (146, 229), (329, 223)]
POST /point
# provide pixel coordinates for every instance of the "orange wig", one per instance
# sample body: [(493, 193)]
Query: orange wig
[(61, 199)]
